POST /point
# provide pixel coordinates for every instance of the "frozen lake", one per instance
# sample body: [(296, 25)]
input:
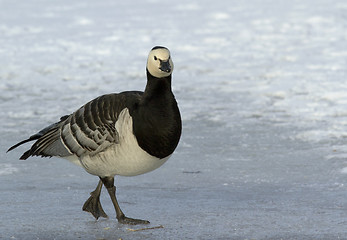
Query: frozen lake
[(262, 90)]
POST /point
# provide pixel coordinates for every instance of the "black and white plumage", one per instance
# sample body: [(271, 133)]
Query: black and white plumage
[(128, 133)]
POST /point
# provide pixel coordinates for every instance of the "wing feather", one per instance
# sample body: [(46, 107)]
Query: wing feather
[(89, 130)]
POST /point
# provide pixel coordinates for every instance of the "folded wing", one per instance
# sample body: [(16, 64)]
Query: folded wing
[(89, 130)]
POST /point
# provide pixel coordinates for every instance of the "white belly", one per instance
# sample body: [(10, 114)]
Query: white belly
[(125, 158)]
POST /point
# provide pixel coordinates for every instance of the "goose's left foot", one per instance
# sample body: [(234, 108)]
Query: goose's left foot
[(93, 204)]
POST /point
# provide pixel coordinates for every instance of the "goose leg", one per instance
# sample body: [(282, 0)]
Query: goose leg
[(93, 204), (109, 184)]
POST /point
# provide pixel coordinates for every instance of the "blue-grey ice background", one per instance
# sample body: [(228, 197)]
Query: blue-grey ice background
[(261, 85)]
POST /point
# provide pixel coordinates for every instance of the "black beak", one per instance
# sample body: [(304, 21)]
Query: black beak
[(165, 66)]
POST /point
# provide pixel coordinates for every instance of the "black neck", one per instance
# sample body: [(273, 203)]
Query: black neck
[(157, 87), (157, 121)]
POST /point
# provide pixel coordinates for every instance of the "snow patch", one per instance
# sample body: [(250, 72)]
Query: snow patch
[(220, 16), (187, 7), (82, 21), (7, 169)]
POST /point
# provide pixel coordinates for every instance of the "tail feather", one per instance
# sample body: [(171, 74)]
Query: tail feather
[(45, 141), (25, 155), (32, 138), (46, 137)]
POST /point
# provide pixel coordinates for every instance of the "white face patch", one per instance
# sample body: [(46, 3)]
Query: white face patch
[(155, 60)]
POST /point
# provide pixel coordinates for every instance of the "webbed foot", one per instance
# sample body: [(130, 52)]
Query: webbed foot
[(93, 204), (131, 221)]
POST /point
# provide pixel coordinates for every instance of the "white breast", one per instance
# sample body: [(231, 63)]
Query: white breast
[(125, 158)]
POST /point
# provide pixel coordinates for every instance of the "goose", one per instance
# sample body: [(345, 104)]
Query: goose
[(124, 134)]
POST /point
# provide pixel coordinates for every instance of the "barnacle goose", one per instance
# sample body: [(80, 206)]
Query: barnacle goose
[(126, 134)]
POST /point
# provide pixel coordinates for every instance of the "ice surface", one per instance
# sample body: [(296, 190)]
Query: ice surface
[(262, 90)]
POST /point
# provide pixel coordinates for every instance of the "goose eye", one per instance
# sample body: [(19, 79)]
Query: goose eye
[(155, 58)]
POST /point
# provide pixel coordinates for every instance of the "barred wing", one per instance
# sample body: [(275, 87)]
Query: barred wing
[(89, 130)]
